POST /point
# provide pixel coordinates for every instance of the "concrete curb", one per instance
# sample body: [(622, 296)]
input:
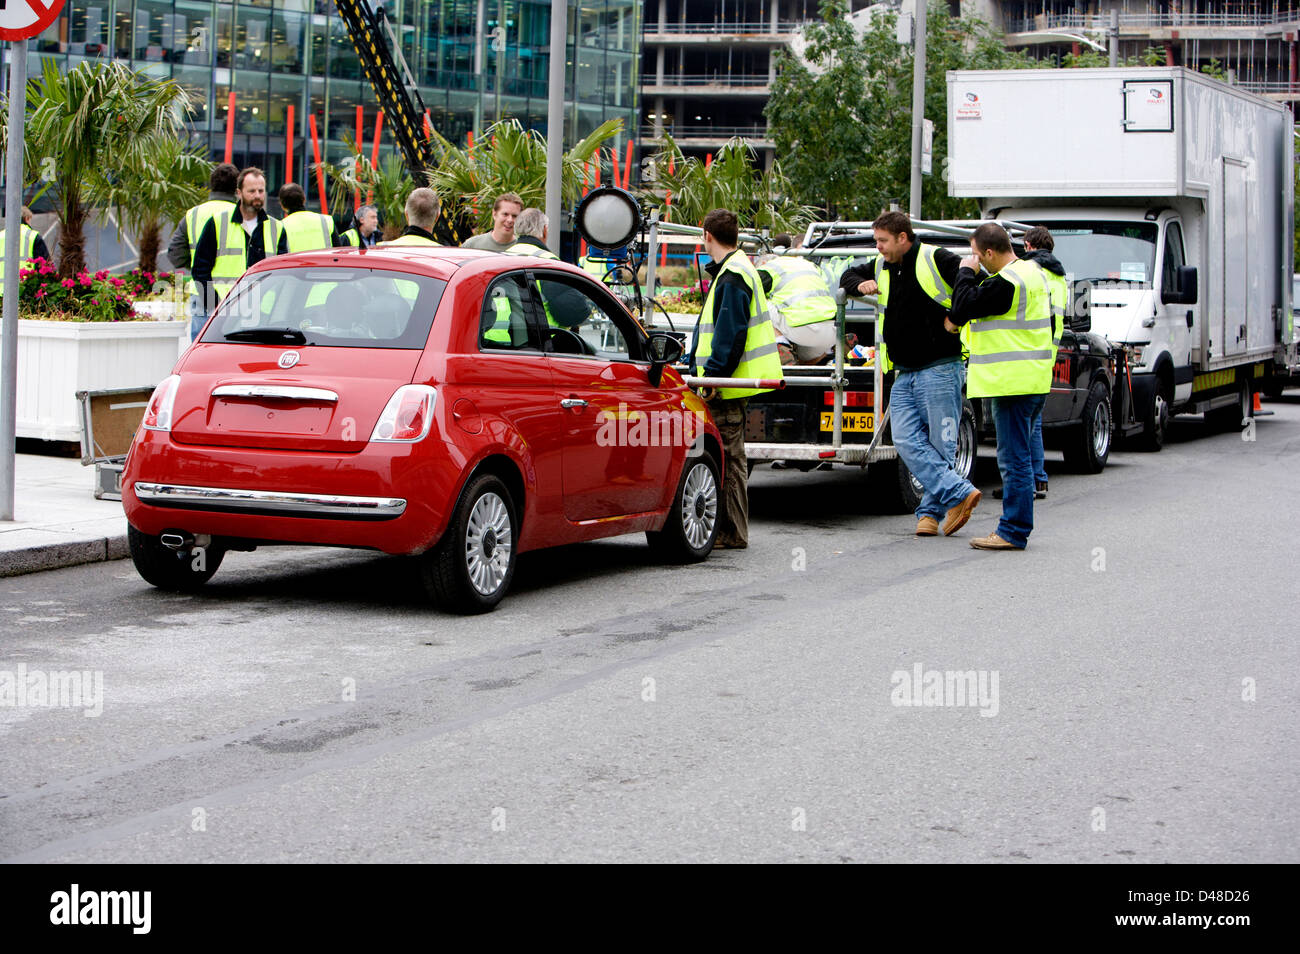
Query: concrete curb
[(54, 556)]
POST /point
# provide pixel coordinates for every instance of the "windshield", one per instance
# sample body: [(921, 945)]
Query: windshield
[(1105, 251), (334, 307)]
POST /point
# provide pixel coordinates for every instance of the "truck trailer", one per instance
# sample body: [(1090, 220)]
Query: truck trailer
[(1170, 196)]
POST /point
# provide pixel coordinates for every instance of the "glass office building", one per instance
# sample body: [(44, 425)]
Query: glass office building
[(474, 61)]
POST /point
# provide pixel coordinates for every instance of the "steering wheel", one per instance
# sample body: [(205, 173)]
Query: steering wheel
[(564, 341)]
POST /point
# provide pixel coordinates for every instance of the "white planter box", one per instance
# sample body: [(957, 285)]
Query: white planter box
[(56, 359)]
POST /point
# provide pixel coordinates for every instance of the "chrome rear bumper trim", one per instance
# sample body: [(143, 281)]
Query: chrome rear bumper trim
[(270, 503)]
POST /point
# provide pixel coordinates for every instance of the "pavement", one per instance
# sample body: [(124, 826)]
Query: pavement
[(309, 705), (58, 521)]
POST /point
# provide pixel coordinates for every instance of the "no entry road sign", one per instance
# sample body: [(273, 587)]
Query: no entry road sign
[(22, 19)]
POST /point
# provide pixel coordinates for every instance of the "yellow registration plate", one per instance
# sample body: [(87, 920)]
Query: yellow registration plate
[(853, 421)]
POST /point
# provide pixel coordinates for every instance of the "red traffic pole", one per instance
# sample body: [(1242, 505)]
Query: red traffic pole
[(230, 126), (627, 166), (361, 132), (320, 173)]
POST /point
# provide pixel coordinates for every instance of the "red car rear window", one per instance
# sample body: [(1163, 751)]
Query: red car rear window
[(333, 307)]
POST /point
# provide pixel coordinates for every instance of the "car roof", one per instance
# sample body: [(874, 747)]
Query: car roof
[(437, 261)]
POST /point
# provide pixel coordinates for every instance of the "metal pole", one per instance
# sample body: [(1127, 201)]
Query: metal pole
[(13, 255), (918, 106), (652, 257), (555, 120), (1113, 37)]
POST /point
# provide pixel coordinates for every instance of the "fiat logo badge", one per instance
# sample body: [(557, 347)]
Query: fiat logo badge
[(289, 359)]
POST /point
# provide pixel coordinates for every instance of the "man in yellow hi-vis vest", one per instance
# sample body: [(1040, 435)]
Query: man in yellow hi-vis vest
[(31, 245), (733, 338), (1039, 246), (1011, 357), (912, 282), (422, 209), (231, 243), (304, 231), (803, 308)]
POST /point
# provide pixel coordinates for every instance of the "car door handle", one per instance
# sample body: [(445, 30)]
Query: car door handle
[(572, 402), (1189, 318)]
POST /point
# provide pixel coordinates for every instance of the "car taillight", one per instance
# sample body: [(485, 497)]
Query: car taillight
[(158, 412), (408, 415)]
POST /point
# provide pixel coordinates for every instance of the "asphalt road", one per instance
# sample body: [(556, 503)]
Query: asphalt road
[(1144, 706)]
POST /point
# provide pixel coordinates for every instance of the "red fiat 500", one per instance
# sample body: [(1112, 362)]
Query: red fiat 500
[(462, 407)]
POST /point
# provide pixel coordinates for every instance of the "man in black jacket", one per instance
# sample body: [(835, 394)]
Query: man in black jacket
[(913, 283), (1039, 247)]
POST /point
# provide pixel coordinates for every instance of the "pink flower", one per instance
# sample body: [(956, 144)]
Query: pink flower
[(116, 282), (84, 278), (41, 293), (68, 283)]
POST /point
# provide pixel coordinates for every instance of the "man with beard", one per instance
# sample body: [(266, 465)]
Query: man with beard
[(230, 244)]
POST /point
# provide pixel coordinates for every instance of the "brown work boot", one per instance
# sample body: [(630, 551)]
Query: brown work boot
[(993, 542), (927, 527), (958, 515)]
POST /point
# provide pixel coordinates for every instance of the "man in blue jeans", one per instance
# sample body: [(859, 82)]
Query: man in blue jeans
[(1011, 358), (912, 283)]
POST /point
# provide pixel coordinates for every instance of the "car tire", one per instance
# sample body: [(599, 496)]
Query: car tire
[(968, 442), (470, 568), (170, 569), (892, 485), (1087, 445), (692, 525)]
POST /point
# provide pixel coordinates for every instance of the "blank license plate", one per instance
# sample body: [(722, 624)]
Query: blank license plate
[(853, 421)]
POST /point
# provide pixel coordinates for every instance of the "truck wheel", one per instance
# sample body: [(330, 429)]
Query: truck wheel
[(182, 570), (891, 483), (1088, 445), (1234, 416), (692, 525), (1155, 423), (968, 442), (471, 567)]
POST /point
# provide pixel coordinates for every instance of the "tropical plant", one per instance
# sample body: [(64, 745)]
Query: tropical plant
[(153, 189), (733, 180), (509, 158), (385, 185), (99, 115)]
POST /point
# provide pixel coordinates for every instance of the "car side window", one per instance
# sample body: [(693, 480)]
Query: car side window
[(503, 323), (1173, 255), (581, 322)]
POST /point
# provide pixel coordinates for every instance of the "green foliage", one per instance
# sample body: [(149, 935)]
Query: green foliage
[(841, 117), (81, 297), (387, 185), (151, 189), (1215, 70), (99, 115), (734, 180), (509, 158)]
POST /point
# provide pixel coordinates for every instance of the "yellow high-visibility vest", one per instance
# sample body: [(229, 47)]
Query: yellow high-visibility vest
[(760, 358), (308, 231), (26, 244), (232, 251), (931, 282), (1012, 353), (799, 291)]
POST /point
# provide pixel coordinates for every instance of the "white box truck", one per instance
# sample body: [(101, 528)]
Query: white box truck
[(1171, 195)]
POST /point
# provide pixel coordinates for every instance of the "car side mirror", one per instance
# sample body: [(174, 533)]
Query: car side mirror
[(665, 349), (1078, 309), (1184, 292)]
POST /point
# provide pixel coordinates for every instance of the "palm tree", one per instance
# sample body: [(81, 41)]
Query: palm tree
[(99, 115), (508, 158), (389, 184), (152, 190), (733, 181)]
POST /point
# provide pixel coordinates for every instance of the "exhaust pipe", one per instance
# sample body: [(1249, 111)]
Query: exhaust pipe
[(176, 540)]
